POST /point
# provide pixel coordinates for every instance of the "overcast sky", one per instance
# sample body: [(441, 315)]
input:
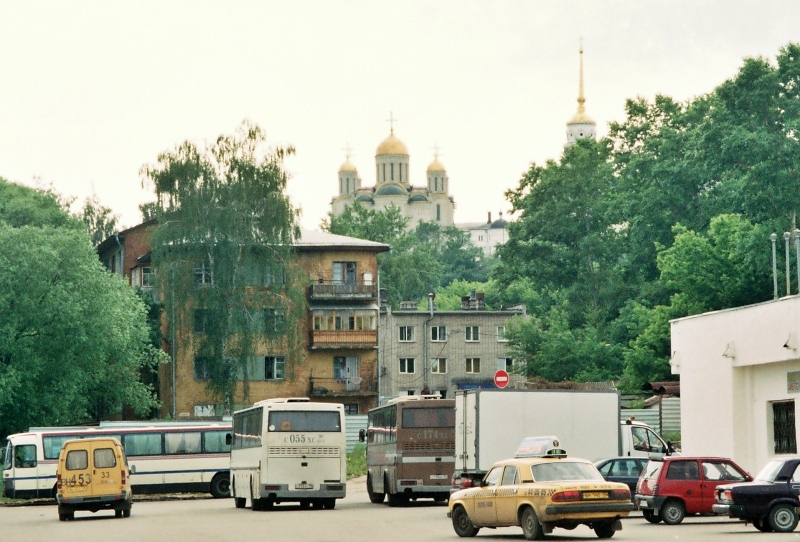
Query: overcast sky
[(91, 91)]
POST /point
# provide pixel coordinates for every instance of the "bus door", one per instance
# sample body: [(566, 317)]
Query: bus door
[(25, 472)]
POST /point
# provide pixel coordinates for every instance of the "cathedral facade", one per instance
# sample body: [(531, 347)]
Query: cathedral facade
[(429, 203)]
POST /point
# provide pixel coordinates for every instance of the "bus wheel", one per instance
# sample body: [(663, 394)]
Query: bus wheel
[(240, 502), (305, 504), (54, 494), (373, 497), (329, 504), (257, 505), (395, 499), (317, 504), (221, 486)]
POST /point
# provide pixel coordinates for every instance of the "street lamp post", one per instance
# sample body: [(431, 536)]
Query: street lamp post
[(786, 236), (773, 237)]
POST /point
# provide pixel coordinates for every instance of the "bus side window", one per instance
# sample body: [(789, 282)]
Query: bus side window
[(25, 456)]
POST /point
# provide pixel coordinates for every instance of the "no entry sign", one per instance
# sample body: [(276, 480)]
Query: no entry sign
[(501, 379)]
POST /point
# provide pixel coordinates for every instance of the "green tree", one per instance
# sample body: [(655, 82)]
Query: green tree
[(73, 338), (23, 206), (223, 249), (460, 259), (100, 221)]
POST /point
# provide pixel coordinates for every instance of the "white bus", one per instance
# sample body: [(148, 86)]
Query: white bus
[(289, 450), (164, 457)]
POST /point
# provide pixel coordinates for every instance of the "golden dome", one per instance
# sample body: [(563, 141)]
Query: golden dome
[(436, 165), (347, 167), (391, 145), (581, 118)]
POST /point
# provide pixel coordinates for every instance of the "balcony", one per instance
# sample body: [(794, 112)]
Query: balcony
[(334, 290), (367, 339), (337, 387)]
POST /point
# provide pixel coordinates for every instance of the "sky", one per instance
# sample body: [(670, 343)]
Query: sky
[(92, 91)]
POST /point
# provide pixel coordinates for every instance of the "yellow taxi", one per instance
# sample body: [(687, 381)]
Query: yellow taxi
[(539, 489)]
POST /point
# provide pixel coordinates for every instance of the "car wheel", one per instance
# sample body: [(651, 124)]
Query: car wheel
[(673, 512), (606, 530), (118, 513), (373, 497), (651, 516), (531, 528), (782, 518), (126, 512), (329, 504), (221, 486), (762, 524), (462, 525)]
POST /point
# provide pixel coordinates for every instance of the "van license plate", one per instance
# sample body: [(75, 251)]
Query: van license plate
[(439, 477), (304, 486)]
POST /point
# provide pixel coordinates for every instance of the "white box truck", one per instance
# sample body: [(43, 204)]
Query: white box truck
[(491, 423)]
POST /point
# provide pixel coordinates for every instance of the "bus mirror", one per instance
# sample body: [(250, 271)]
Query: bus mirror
[(133, 469), (362, 435), (228, 439)]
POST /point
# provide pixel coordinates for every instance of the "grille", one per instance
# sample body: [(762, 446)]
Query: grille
[(429, 447), (308, 451)]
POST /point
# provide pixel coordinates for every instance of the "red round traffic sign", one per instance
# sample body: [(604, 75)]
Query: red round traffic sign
[(501, 379)]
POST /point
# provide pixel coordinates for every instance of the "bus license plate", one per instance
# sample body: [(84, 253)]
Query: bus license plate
[(439, 477), (595, 495), (304, 486)]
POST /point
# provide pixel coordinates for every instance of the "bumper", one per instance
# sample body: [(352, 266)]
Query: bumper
[(649, 502), (722, 509), (284, 493), (102, 502), (594, 508)]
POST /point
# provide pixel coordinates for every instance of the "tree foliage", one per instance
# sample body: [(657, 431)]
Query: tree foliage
[(73, 337), (668, 217), (223, 253), (100, 221)]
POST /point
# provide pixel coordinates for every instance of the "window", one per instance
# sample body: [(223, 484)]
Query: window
[(351, 408), (344, 272), (344, 320), (203, 275), (275, 320), (182, 443), (439, 333), (148, 277), (104, 458), (438, 212), (77, 460), (247, 427), (439, 366), (510, 477), (274, 368), (305, 421), (274, 275), (406, 334), (214, 442), (25, 456), (683, 470), (473, 365), (202, 320), (501, 334), (406, 365), (391, 166), (471, 334), (202, 368), (493, 477), (506, 364), (142, 444), (783, 428)]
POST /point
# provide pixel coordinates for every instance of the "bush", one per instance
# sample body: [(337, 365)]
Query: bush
[(357, 461)]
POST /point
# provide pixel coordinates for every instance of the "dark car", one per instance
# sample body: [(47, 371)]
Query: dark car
[(669, 489), (769, 502), (622, 469)]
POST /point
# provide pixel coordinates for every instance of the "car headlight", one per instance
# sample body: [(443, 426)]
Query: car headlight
[(725, 496)]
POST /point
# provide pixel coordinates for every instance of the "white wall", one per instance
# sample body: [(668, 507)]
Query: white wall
[(732, 365)]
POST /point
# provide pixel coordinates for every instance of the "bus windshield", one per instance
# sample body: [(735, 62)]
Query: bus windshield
[(429, 417), (299, 420), (7, 457)]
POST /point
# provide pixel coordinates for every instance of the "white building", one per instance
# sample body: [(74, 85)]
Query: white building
[(740, 379), (430, 203), (487, 235)]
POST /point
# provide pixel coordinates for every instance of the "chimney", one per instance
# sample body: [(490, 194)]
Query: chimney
[(408, 305), (465, 303), (481, 304), (490, 218)]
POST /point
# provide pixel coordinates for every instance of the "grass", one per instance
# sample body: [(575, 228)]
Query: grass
[(357, 461)]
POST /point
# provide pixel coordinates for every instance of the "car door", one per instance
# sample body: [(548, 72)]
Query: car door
[(506, 496), (682, 480), (105, 470), (485, 510), (717, 472)]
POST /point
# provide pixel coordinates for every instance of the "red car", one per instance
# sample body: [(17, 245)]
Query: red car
[(669, 489)]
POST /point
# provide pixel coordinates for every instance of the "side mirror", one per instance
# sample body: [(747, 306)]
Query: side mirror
[(228, 439), (133, 469), (362, 435)]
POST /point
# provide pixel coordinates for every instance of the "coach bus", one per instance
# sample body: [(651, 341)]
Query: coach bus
[(164, 457), (289, 450), (411, 449)]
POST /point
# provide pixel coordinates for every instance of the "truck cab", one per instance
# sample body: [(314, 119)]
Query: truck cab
[(639, 440)]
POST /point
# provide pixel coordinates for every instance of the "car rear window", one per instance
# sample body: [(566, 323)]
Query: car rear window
[(104, 458), (652, 470), (564, 470), (77, 460)]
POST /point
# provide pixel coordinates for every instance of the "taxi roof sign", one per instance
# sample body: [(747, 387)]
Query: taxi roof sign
[(540, 447)]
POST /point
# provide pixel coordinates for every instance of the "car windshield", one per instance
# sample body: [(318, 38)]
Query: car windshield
[(770, 471), (564, 470)]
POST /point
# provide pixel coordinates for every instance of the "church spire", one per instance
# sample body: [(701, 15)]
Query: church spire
[(581, 126)]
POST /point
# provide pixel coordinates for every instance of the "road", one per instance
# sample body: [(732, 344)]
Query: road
[(355, 519)]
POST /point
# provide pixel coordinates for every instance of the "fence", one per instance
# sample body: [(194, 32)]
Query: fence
[(353, 424)]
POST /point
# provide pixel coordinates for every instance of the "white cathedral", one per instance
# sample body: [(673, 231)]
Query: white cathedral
[(433, 203), (430, 203)]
